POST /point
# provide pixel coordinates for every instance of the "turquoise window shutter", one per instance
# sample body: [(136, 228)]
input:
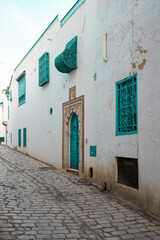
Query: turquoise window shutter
[(24, 137), (67, 60), (21, 89), (19, 137), (126, 106), (2, 139), (44, 69)]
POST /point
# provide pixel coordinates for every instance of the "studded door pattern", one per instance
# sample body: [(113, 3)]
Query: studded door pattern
[(74, 142)]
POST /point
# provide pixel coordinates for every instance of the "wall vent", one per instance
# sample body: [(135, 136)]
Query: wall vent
[(128, 171)]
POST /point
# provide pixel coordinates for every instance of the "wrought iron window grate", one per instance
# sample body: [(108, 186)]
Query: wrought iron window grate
[(126, 106), (44, 69)]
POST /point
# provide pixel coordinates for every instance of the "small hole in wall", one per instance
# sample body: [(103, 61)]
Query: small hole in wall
[(91, 172), (51, 111)]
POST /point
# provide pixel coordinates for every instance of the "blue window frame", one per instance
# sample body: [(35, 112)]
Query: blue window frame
[(126, 106), (44, 69), (21, 89)]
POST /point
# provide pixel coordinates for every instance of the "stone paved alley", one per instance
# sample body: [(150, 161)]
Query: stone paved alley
[(40, 202)]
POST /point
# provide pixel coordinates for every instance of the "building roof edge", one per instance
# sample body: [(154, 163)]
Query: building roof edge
[(54, 20)]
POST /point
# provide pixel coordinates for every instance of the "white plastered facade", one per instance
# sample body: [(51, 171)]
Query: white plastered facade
[(133, 35)]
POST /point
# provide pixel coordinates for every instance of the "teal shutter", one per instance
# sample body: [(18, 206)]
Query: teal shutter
[(126, 106), (24, 137), (44, 69), (21, 90), (2, 139), (19, 137), (66, 61)]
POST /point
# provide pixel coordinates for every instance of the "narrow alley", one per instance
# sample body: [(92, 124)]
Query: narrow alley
[(39, 202)]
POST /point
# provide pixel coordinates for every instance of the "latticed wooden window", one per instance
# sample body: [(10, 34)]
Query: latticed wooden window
[(24, 137), (126, 106), (19, 137), (44, 69), (21, 89)]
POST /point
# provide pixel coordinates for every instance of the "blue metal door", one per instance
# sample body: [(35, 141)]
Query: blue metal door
[(74, 142)]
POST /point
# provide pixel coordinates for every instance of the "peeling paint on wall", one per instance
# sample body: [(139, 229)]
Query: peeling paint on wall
[(133, 65), (141, 66)]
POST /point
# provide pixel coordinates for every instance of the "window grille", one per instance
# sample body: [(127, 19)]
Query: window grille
[(21, 89), (19, 137), (44, 69), (24, 137), (126, 106)]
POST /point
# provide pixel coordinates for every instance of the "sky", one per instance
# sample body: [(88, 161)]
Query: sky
[(21, 24)]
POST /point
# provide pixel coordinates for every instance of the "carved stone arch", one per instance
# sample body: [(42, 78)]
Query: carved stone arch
[(69, 108)]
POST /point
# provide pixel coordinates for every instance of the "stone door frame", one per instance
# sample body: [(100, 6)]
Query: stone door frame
[(68, 108)]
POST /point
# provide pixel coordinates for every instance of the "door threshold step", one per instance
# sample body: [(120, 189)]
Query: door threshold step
[(75, 171)]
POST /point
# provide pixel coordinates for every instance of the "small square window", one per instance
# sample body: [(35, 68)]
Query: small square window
[(126, 106)]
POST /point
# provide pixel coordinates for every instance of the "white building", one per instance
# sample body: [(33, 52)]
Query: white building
[(4, 116), (100, 114)]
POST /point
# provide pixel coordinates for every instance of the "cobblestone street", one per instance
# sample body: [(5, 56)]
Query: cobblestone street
[(39, 202)]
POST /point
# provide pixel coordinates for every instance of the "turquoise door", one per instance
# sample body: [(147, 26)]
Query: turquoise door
[(74, 142)]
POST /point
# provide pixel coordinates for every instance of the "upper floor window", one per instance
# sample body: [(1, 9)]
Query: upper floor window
[(126, 106), (21, 89), (44, 69)]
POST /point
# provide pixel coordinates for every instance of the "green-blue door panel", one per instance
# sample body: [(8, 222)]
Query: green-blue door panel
[(74, 142)]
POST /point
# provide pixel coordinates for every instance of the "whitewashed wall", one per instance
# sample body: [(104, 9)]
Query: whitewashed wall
[(2, 127), (133, 47), (3, 115)]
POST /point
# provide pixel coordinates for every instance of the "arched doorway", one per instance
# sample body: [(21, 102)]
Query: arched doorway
[(74, 142)]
